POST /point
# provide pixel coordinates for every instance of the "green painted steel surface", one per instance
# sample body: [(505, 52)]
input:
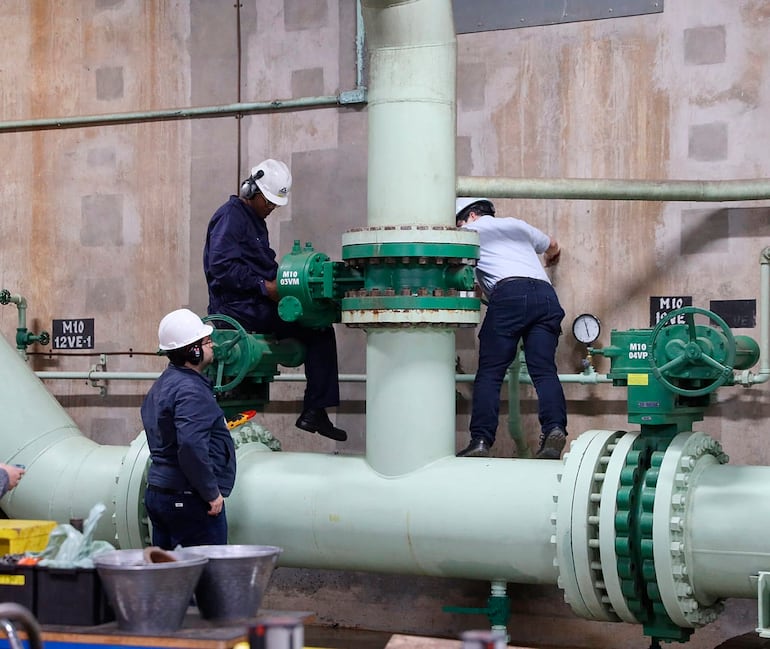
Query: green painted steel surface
[(634, 541), (398, 302), (660, 365), (401, 249), (310, 286), (245, 364)]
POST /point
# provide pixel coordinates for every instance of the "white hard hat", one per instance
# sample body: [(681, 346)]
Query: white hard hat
[(465, 201), (274, 181), (181, 328)]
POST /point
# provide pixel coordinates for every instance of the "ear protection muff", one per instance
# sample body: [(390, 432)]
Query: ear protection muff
[(249, 187), (195, 354)]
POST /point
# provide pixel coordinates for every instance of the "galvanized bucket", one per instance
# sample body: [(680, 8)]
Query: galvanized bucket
[(149, 597), (234, 580)]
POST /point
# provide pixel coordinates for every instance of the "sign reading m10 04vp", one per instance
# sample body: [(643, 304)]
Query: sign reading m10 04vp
[(73, 334)]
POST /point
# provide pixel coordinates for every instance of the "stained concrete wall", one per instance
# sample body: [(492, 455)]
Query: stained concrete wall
[(108, 221)]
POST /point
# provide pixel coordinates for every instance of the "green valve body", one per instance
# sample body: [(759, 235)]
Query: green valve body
[(671, 370), (311, 287)]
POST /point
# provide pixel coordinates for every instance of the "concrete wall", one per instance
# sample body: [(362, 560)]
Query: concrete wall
[(108, 221)]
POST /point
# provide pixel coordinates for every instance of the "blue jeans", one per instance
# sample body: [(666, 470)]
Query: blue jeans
[(526, 309), (183, 519)]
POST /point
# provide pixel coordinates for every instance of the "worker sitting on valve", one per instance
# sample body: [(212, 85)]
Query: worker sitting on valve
[(241, 272), (192, 454), (521, 305)]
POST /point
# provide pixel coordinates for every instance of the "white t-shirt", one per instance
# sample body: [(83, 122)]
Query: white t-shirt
[(509, 247)]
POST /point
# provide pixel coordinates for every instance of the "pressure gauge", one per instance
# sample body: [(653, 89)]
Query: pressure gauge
[(586, 328)]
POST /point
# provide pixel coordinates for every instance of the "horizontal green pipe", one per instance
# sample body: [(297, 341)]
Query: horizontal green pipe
[(241, 108), (611, 189), (345, 378)]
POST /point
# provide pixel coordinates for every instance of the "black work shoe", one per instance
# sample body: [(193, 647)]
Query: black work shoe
[(551, 444), (477, 448), (315, 420)]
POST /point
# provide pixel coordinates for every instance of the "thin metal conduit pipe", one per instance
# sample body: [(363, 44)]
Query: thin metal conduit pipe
[(612, 189), (344, 98)]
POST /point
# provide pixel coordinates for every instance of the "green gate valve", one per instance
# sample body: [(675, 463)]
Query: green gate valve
[(241, 357), (670, 370), (311, 287), (497, 610), (698, 352)]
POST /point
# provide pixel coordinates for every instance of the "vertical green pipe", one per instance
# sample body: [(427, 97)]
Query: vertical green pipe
[(412, 176), (514, 409)]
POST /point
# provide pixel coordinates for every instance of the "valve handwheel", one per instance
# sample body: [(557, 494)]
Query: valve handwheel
[(693, 352), (222, 353)]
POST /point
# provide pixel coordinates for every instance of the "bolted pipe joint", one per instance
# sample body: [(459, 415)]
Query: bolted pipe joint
[(412, 275)]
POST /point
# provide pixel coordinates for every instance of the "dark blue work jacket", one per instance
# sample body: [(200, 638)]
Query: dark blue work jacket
[(237, 259), (190, 445)]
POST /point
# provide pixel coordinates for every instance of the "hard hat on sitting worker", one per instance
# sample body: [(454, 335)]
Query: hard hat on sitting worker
[(274, 180), (181, 328)]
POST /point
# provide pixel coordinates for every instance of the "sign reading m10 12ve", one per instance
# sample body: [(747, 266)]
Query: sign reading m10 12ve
[(661, 306), (73, 334)]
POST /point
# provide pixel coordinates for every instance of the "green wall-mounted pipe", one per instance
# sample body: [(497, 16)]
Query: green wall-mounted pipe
[(226, 110), (345, 98), (611, 189)]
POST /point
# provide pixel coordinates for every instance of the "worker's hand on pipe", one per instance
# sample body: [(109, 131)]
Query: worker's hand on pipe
[(215, 506), (14, 474)]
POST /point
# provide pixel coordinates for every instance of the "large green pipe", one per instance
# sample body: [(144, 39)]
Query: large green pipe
[(66, 472), (442, 519), (411, 179), (339, 512)]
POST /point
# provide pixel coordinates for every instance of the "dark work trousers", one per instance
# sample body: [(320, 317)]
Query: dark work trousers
[(183, 519), (322, 389), (526, 309)]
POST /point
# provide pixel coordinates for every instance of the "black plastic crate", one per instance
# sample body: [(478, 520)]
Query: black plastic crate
[(18, 584), (71, 596)]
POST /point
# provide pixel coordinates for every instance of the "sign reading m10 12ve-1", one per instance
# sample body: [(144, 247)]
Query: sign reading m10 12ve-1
[(73, 334)]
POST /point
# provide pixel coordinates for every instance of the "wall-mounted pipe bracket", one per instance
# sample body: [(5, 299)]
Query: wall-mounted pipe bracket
[(101, 366)]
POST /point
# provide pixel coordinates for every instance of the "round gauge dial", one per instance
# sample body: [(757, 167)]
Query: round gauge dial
[(586, 328)]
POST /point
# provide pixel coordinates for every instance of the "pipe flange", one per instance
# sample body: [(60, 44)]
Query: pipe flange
[(131, 521), (608, 513), (688, 455), (416, 275), (578, 523)]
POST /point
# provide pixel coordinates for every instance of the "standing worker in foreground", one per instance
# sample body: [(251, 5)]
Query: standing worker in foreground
[(241, 271), (192, 454), (521, 305)]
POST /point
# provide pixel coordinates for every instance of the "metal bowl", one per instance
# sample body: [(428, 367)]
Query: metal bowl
[(234, 580), (149, 597)]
